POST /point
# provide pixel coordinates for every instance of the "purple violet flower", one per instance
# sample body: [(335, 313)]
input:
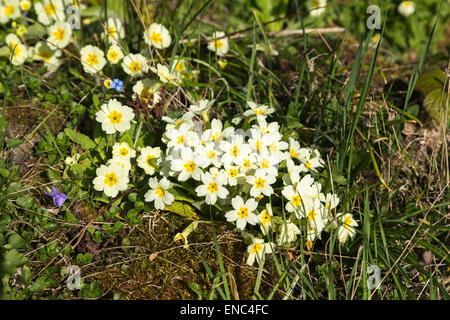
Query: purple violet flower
[(58, 197)]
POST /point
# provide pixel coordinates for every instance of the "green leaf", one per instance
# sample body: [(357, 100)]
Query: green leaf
[(434, 103), (12, 143), (82, 139), (10, 260), (429, 81), (15, 241), (182, 209)]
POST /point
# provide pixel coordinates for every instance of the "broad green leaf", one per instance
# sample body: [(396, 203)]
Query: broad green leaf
[(82, 139), (182, 209)]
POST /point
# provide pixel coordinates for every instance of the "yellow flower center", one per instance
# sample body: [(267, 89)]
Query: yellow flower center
[(9, 10), (112, 31), (135, 66), (58, 34), (50, 9), (407, 3), (181, 139), (115, 117), (218, 44), (265, 164), (296, 200), (242, 212), (145, 94), (159, 192), (265, 217), (259, 111), (111, 179), (149, 159), (235, 151), (293, 153), (212, 187), (189, 166), (16, 49), (259, 183), (257, 247), (308, 165), (123, 152), (112, 55), (247, 163), (312, 215), (180, 66), (347, 222), (92, 59), (211, 154), (156, 37), (45, 55), (232, 172)]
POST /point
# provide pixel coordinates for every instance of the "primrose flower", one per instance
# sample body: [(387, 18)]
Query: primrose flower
[(406, 8), (159, 193), (49, 10), (124, 163), (176, 124), (219, 45), (181, 137), (114, 30), (9, 10), (260, 183), (258, 110), (234, 151), (58, 197), (25, 5), (60, 34), (92, 59), (135, 64), (257, 249), (203, 106), (70, 161), (115, 117), (18, 51), (189, 165), (147, 159), (111, 179), (316, 7), (212, 187), (43, 52), (114, 54), (158, 36), (288, 233), (123, 150), (146, 89), (164, 74), (347, 227), (265, 219), (243, 212), (217, 132)]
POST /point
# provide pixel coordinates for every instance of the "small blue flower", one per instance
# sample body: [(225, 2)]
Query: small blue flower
[(117, 84), (58, 197)]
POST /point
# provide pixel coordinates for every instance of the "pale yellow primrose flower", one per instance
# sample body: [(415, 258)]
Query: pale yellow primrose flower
[(159, 193), (92, 59), (157, 36), (135, 64), (406, 8), (147, 158), (111, 179), (115, 117), (114, 54), (257, 250), (219, 45)]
